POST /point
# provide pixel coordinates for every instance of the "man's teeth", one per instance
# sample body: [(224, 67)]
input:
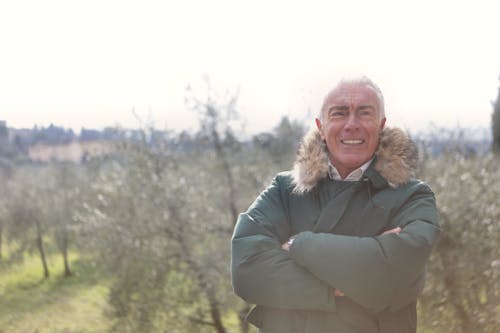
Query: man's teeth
[(352, 142)]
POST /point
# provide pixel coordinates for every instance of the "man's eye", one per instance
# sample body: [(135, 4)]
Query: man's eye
[(366, 112), (337, 113)]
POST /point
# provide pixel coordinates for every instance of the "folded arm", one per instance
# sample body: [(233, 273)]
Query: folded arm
[(380, 272), (262, 272)]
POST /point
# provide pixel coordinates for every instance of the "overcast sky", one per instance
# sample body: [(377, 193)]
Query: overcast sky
[(89, 63)]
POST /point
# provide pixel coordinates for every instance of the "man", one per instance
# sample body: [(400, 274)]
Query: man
[(340, 243)]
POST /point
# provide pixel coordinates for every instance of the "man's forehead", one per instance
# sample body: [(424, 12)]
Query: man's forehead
[(349, 92)]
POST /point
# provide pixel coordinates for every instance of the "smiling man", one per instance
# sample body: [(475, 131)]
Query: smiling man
[(340, 243), (350, 122)]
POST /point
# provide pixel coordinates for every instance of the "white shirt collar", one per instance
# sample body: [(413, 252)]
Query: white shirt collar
[(352, 177)]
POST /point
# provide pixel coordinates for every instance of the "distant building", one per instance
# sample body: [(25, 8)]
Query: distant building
[(71, 152)]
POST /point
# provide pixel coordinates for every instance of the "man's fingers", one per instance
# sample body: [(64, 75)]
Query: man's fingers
[(396, 230), (338, 292)]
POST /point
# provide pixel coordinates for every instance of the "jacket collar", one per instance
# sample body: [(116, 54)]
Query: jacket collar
[(395, 161)]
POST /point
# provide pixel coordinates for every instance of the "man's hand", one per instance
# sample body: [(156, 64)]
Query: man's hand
[(337, 293), (396, 230), (286, 246)]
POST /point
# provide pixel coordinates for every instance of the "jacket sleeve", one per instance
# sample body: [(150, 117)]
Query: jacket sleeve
[(262, 272), (381, 272)]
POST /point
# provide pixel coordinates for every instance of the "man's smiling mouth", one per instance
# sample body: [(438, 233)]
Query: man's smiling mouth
[(352, 142)]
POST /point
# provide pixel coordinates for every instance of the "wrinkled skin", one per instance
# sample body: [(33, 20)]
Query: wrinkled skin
[(350, 124)]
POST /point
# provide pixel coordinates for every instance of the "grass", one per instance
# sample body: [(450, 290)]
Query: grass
[(77, 304), (31, 304)]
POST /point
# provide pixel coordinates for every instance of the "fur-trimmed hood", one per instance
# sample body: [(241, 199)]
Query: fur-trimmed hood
[(396, 159)]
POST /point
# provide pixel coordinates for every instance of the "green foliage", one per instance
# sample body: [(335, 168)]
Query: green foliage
[(161, 222), (148, 231), (155, 221), (463, 291), (40, 204), (26, 206), (495, 124), (282, 144)]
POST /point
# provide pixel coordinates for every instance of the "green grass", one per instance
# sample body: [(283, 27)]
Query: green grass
[(29, 303)]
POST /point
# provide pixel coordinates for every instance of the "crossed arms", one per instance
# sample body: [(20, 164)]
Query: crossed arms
[(380, 272)]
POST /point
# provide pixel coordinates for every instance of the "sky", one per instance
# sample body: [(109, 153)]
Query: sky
[(124, 63)]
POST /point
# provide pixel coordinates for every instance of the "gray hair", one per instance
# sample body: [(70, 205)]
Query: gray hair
[(362, 80)]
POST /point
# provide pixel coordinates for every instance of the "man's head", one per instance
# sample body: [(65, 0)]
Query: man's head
[(351, 119)]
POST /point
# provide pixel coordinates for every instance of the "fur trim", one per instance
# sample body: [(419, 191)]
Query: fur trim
[(311, 164), (397, 157), (396, 161)]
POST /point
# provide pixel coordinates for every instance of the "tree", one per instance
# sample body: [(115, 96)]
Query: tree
[(27, 225), (153, 224), (62, 187), (161, 217), (6, 171), (462, 292), (282, 143), (495, 124)]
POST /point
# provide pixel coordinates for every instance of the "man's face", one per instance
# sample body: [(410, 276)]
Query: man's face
[(350, 125)]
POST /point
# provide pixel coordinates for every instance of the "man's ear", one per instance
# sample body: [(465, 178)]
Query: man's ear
[(382, 123), (320, 128)]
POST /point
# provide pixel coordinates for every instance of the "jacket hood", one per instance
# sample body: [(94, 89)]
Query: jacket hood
[(396, 159)]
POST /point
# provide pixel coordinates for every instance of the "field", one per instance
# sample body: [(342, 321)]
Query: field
[(29, 303), (159, 224)]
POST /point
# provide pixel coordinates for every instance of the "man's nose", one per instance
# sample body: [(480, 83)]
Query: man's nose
[(352, 121)]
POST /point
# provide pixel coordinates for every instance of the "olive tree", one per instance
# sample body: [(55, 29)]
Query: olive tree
[(495, 124), (462, 293), (26, 204), (156, 221)]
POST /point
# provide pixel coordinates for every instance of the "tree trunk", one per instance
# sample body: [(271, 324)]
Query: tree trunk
[(212, 299), (64, 227), (39, 243), (205, 287), (1, 239), (215, 312), (67, 271), (219, 150), (495, 125), (64, 250), (198, 272), (444, 247), (244, 326), (222, 156)]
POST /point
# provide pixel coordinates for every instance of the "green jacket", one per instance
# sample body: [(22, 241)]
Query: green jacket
[(338, 245)]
